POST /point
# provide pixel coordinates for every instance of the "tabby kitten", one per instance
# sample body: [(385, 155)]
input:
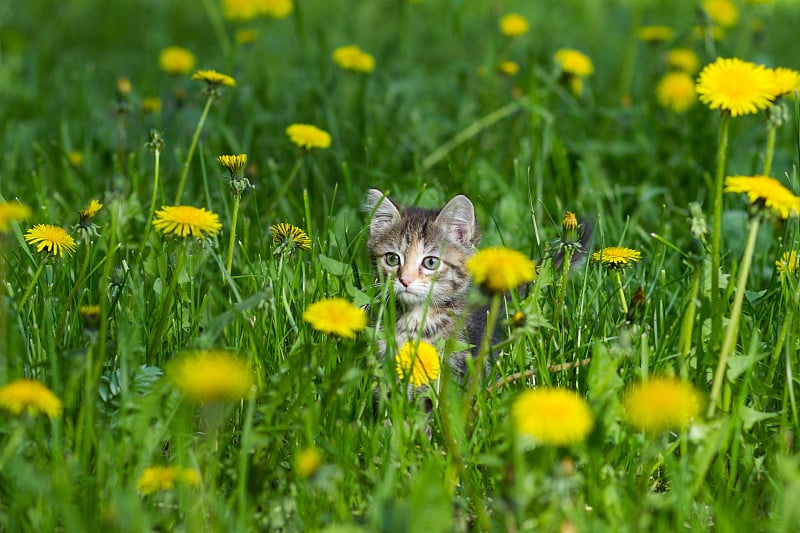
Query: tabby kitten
[(422, 253)]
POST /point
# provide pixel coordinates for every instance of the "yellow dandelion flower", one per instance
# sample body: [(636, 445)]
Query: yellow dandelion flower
[(241, 10), (418, 362), (617, 256), (124, 87), (500, 269), (75, 158), (508, 68), (276, 9), (337, 316), (353, 58), (11, 212), (307, 462), (161, 478), (552, 416), (176, 60), (91, 210), (574, 62), (784, 81), (246, 36), (151, 104), (766, 191), (676, 91), (187, 221), (234, 163), (737, 86), (513, 25), (655, 34), (722, 12), (90, 316), (307, 136), (684, 59), (569, 222), (290, 236), (211, 375), (660, 404), (30, 397), (51, 238), (575, 85), (789, 262), (214, 78)]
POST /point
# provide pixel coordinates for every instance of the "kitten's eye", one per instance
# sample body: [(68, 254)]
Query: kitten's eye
[(431, 262), (392, 259)]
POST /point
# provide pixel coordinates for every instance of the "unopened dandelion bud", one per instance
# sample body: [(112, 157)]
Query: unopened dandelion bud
[(569, 224), (776, 115)]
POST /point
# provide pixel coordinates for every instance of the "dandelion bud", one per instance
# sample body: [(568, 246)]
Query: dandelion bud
[(569, 224), (123, 88)]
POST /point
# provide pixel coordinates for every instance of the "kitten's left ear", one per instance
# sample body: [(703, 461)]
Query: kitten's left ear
[(458, 216), (384, 212)]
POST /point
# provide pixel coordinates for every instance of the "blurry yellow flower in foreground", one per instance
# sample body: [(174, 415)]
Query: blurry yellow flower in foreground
[(337, 316), (737, 86), (676, 91), (574, 62), (242, 10), (307, 136), (353, 58), (513, 25), (617, 256), (684, 59), (418, 363), (552, 416), (159, 478), (788, 263), (187, 221), (307, 462), (785, 81), (211, 375), (765, 191), (214, 78), (12, 211), (660, 404), (176, 60), (655, 34), (723, 12), (290, 236), (30, 397), (53, 239), (500, 269)]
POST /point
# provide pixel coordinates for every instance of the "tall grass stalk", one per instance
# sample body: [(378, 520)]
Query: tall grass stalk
[(193, 146), (717, 307)]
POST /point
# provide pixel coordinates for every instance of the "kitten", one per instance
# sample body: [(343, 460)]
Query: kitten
[(422, 253)]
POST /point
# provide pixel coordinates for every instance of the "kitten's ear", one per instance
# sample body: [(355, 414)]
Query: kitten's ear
[(384, 212), (458, 216)]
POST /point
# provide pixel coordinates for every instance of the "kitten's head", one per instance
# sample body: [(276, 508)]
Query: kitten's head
[(422, 251)]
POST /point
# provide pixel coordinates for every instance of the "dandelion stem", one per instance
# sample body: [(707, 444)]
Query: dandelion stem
[(485, 348), (32, 284), (769, 152), (621, 291), (151, 213), (733, 323), (158, 331), (232, 241), (687, 324), (562, 292), (192, 148), (716, 234), (82, 276)]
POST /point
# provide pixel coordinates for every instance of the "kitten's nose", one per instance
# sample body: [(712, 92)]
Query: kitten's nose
[(406, 281)]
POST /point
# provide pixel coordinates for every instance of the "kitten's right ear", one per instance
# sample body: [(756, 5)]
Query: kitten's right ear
[(384, 212)]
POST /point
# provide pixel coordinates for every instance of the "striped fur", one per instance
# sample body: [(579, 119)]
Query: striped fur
[(422, 253)]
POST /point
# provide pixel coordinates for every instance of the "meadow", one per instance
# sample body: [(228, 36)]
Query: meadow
[(190, 322)]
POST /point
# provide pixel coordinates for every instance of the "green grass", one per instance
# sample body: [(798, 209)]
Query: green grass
[(425, 126)]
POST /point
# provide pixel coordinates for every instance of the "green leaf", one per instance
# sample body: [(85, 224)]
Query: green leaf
[(750, 417), (333, 266)]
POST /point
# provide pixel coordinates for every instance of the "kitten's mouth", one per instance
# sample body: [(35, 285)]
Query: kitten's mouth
[(410, 295)]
